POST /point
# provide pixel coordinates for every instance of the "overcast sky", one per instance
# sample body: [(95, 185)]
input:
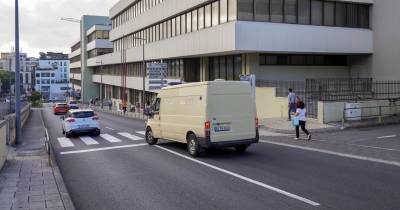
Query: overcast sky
[(41, 29)]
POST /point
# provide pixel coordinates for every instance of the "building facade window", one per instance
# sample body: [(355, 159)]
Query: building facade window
[(315, 12), (303, 60), (225, 67)]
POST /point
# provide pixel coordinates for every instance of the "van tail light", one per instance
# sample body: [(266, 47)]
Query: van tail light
[(70, 120), (95, 118), (207, 129)]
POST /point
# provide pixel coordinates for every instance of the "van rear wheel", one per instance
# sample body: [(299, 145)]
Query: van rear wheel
[(241, 148), (193, 145), (150, 138)]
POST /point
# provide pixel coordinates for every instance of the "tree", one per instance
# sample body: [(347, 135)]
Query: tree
[(36, 96), (7, 79)]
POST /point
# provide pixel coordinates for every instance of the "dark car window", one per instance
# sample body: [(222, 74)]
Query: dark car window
[(61, 105), (73, 102), (83, 114)]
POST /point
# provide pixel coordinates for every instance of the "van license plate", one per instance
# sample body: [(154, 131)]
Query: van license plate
[(222, 128)]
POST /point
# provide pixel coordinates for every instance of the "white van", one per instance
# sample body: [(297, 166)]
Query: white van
[(204, 115)]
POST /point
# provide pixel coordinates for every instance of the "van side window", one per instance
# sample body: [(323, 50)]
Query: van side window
[(157, 105)]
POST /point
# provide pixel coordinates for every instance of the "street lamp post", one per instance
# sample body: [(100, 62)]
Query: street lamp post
[(101, 83), (144, 71), (17, 79)]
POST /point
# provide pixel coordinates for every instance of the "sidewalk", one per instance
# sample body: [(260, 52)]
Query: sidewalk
[(282, 125), (27, 181)]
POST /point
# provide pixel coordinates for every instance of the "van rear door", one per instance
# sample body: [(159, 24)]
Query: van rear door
[(232, 116)]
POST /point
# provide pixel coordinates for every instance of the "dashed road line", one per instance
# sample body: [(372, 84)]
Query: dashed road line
[(386, 137), (376, 160), (109, 128), (65, 142), (130, 136), (102, 149), (288, 194)]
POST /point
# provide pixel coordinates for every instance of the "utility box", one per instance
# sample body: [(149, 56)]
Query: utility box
[(353, 111)]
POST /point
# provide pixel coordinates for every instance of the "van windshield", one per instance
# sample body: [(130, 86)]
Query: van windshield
[(83, 114)]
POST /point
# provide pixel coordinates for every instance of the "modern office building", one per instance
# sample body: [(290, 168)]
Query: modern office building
[(273, 39), (52, 76), (93, 42), (27, 68)]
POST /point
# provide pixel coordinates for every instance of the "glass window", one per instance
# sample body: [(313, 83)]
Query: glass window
[(237, 66), (222, 67), (229, 68), (200, 17), (363, 16), (261, 8), (181, 68), (215, 13), (245, 9), (352, 16), (304, 14), (316, 12), (216, 68), (232, 10), (194, 20), (169, 28), (290, 11), (223, 9), (207, 16), (183, 24), (329, 13), (276, 7), (178, 25), (188, 22), (173, 29), (340, 14)]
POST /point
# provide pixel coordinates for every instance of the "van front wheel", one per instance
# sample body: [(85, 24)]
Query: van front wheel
[(150, 138), (193, 145)]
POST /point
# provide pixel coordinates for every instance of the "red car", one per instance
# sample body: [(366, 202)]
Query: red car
[(60, 108)]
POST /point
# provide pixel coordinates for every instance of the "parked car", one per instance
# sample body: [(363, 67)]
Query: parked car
[(60, 108), (73, 105), (204, 115), (78, 121)]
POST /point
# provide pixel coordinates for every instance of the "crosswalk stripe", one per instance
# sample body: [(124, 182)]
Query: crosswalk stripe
[(130, 136), (141, 132), (65, 142), (110, 138), (88, 140)]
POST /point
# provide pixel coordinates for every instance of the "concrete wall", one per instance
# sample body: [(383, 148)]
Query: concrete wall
[(3, 142), (269, 106), (385, 22), (329, 112)]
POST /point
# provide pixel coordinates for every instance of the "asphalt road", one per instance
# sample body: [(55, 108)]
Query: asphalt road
[(124, 173)]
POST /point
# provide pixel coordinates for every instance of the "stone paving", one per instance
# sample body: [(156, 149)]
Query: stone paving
[(29, 183)]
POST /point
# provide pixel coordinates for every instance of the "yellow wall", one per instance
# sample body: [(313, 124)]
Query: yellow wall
[(270, 106)]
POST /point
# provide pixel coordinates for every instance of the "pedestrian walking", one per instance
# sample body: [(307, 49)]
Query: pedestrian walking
[(301, 115), (291, 103)]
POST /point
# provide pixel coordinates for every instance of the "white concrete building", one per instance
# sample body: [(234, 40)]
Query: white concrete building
[(273, 39), (93, 42), (52, 76), (27, 68)]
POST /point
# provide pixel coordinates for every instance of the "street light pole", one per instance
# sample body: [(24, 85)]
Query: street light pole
[(101, 83), (17, 79), (144, 71)]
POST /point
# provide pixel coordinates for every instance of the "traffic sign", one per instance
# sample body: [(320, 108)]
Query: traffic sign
[(157, 74)]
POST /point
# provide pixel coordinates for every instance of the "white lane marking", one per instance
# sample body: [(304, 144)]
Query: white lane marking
[(102, 149), (141, 132), (65, 142), (372, 147), (130, 136), (88, 140), (272, 134), (112, 129), (386, 137), (110, 138), (376, 160), (288, 194)]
